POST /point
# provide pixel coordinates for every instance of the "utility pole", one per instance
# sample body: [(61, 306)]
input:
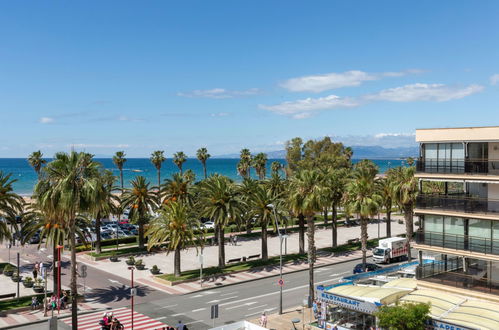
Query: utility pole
[(18, 281)]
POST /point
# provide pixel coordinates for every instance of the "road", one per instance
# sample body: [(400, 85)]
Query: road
[(236, 302)]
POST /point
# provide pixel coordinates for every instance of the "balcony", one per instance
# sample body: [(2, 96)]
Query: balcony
[(457, 203), (451, 273), (446, 166), (459, 242)]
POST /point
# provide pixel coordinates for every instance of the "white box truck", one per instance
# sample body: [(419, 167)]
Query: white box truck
[(390, 249)]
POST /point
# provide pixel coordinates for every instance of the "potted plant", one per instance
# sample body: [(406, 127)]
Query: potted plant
[(8, 270), (28, 282), (113, 257), (38, 286), (16, 278), (130, 261), (154, 270), (139, 264)]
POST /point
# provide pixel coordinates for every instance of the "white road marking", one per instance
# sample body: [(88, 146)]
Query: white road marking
[(197, 296), (160, 318), (194, 322), (177, 314), (114, 281), (227, 294), (168, 306), (257, 307), (219, 300), (198, 310), (251, 314), (276, 292), (25, 261), (242, 305), (339, 274)]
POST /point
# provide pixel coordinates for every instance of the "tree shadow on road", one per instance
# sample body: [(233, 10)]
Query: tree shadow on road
[(117, 293)]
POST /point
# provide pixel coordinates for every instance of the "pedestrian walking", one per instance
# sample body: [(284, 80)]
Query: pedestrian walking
[(180, 325), (35, 273), (235, 239), (231, 242), (263, 320)]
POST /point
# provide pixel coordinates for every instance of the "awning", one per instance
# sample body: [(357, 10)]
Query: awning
[(440, 302), (372, 294), (402, 283), (478, 313)]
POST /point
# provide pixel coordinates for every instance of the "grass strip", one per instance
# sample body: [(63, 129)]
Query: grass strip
[(119, 252), (18, 303)]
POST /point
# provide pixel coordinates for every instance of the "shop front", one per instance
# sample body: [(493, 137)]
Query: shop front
[(353, 307)]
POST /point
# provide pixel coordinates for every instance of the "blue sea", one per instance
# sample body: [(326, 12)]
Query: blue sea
[(26, 177)]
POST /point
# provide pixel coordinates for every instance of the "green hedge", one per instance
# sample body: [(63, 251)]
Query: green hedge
[(21, 302), (108, 242)]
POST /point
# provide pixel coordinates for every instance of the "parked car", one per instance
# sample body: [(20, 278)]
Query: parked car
[(369, 267), (35, 239), (105, 235), (208, 225)]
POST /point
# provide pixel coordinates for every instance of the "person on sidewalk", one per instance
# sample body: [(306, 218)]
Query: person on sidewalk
[(180, 325), (263, 320), (35, 272), (34, 303), (235, 240)]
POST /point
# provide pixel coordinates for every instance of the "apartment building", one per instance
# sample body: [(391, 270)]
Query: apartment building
[(458, 207)]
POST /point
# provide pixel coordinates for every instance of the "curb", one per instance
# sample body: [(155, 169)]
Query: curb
[(261, 278)]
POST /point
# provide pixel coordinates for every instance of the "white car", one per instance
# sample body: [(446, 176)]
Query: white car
[(208, 225)]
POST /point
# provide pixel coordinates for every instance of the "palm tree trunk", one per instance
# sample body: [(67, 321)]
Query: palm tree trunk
[(301, 234), (311, 255), (409, 230), (55, 272), (388, 223), (325, 216), (221, 247), (363, 239), (159, 178), (141, 234), (334, 226), (74, 288), (265, 254), (249, 226), (121, 179), (181, 171), (97, 234), (204, 170), (176, 262)]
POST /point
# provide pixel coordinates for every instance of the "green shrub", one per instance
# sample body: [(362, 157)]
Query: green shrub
[(138, 262)]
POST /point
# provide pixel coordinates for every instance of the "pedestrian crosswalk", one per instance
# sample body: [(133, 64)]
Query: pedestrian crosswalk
[(124, 315)]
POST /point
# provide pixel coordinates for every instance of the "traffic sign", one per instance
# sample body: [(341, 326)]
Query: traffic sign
[(83, 271), (214, 311), (280, 282)]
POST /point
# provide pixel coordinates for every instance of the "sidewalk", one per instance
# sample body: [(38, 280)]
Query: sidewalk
[(301, 315), (245, 247), (29, 316)]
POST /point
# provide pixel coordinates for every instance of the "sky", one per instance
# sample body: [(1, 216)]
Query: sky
[(139, 76)]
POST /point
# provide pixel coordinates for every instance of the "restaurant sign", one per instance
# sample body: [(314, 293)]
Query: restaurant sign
[(349, 303), (440, 325)]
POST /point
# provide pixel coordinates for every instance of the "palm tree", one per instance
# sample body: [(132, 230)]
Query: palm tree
[(385, 188), (244, 165), (305, 193), (219, 201), (203, 156), (276, 167), (69, 190), (178, 189), (119, 160), (405, 194), (260, 204), (176, 227), (142, 201), (246, 188), (157, 159), (260, 163), (179, 159), (105, 203), (334, 185), (362, 198), (11, 204), (35, 159)]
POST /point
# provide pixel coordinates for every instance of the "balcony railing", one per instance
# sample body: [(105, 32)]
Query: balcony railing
[(459, 242), (451, 274), (458, 203), (472, 166)]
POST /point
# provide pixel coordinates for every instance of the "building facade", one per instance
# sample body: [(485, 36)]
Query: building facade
[(458, 207)]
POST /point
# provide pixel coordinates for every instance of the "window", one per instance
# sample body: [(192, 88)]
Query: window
[(433, 230), (444, 157), (454, 232), (480, 233)]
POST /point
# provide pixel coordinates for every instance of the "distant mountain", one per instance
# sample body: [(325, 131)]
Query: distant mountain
[(370, 152)]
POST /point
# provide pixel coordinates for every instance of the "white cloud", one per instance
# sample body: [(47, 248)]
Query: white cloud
[(424, 92), (494, 79), (383, 135), (305, 108), (46, 120), (219, 93), (219, 114), (333, 80)]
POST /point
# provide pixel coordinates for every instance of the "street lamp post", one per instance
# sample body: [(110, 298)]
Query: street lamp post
[(132, 290), (280, 257)]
